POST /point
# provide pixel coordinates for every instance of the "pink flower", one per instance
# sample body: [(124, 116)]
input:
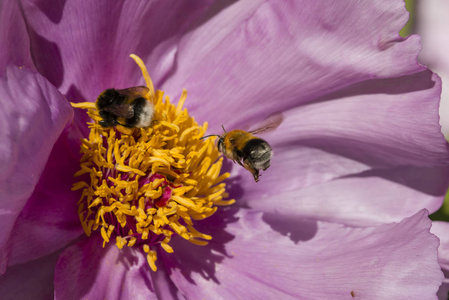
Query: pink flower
[(359, 160)]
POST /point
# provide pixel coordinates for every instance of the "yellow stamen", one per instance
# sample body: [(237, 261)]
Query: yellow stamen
[(142, 186), (84, 105), (145, 74)]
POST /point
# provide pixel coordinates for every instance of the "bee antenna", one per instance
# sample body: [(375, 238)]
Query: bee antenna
[(223, 129), (205, 137)]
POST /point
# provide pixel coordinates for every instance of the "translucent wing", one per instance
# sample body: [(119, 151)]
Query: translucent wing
[(270, 123), (135, 92), (124, 110)]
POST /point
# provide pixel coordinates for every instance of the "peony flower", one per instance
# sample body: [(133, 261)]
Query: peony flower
[(359, 160)]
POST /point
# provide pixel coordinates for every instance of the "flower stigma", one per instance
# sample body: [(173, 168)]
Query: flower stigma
[(142, 186)]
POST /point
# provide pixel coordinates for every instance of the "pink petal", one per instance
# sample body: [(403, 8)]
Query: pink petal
[(33, 280), (86, 270), (366, 155), (443, 292), (264, 56), (13, 37), (432, 20), (365, 199), (164, 286), (33, 115), (380, 123), (83, 48), (248, 260), (441, 230), (49, 220)]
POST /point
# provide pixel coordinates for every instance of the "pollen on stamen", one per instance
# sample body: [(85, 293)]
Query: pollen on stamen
[(142, 186)]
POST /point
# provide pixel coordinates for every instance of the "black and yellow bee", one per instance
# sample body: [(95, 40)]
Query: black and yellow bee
[(129, 107), (248, 150)]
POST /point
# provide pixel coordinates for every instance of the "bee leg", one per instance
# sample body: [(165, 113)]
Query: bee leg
[(238, 157), (237, 161), (108, 119), (247, 165), (240, 163), (107, 123), (256, 176)]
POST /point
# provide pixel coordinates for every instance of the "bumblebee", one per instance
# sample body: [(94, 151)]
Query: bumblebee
[(248, 150), (128, 107)]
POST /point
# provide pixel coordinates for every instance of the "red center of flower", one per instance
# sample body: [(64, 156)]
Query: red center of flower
[(129, 231)]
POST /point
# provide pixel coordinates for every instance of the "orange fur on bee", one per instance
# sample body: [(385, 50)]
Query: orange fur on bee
[(235, 139)]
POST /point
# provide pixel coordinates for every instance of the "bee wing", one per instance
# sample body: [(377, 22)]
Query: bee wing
[(134, 92), (270, 123), (124, 110)]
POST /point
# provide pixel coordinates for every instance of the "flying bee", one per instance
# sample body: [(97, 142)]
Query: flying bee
[(129, 107), (248, 150)]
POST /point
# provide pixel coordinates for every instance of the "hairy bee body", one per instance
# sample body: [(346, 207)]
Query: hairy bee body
[(249, 151), (128, 107), (258, 154), (230, 142)]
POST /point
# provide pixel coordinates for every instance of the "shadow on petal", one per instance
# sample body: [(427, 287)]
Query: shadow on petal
[(130, 258), (430, 181), (86, 270), (234, 186), (390, 86), (296, 229), (80, 117), (203, 260), (127, 258), (53, 11), (47, 57), (443, 291)]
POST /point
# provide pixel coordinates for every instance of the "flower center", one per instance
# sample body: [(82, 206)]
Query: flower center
[(141, 186)]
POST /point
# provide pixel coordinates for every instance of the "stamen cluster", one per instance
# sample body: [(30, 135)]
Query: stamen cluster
[(141, 186)]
